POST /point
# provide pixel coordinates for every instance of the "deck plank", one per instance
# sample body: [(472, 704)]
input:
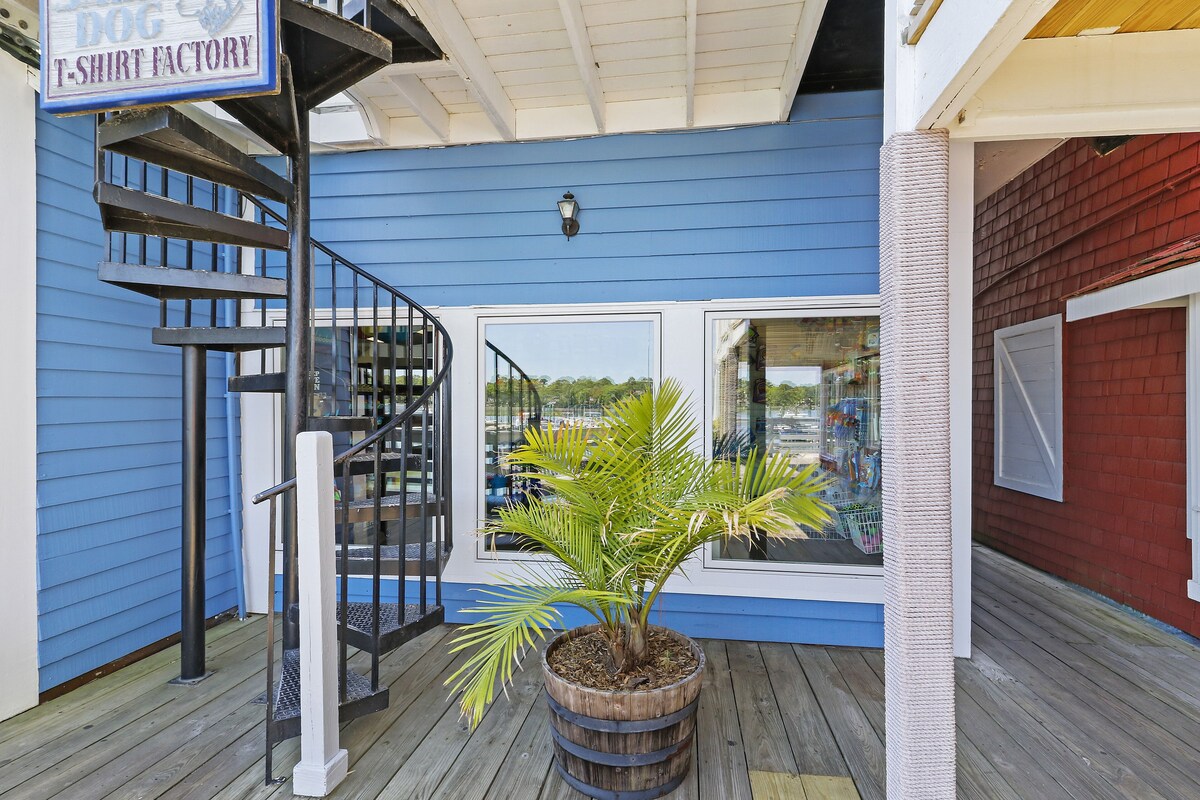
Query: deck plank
[(812, 742), (860, 746), (1066, 697), (1080, 765), (49, 722), (720, 753), (1093, 716), (75, 755), (528, 760), (765, 740), (457, 761)]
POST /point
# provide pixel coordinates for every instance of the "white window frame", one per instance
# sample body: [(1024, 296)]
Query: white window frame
[(710, 561), (1001, 363), (483, 321)]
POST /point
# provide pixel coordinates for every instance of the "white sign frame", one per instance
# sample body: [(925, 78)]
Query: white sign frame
[(104, 55)]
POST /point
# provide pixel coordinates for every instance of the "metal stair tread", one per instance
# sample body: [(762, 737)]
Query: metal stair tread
[(225, 339), (361, 559), (172, 283), (336, 424), (360, 698), (130, 211), (164, 136), (336, 52), (273, 382), (358, 616)]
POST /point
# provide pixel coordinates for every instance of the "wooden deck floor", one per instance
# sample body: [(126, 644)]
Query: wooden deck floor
[(1065, 698)]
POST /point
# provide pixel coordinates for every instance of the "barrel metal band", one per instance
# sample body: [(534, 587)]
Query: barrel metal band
[(622, 726), (620, 759), (616, 794)]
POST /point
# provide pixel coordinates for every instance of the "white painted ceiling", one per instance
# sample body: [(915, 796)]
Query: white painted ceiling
[(538, 69)]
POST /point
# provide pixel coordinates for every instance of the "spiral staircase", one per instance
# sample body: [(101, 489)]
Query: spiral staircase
[(344, 351)]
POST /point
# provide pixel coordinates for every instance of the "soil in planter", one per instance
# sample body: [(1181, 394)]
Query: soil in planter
[(584, 661)]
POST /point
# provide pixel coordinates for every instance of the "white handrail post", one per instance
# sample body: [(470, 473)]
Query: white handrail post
[(323, 765)]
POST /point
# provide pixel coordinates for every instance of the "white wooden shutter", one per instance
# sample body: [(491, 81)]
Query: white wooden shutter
[(1028, 407)]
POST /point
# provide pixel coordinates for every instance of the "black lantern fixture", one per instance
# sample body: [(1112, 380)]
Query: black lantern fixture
[(569, 209)]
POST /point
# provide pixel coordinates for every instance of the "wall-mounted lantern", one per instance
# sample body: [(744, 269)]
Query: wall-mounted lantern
[(569, 209)]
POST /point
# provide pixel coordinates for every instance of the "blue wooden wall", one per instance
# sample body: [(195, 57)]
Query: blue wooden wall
[(773, 210), (108, 439)]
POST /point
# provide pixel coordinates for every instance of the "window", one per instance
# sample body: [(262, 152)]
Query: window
[(805, 388), (1028, 407), (549, 373)]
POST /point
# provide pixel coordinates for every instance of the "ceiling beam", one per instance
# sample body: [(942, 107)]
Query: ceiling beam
[(960, 49), (581, 46), (806, 33), (691, 62), (442, 19), (375, 119), (422, 101), (426, 69), (1128, 83)]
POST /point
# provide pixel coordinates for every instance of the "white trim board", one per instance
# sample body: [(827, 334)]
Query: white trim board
[(18, 308), (1163, 289)]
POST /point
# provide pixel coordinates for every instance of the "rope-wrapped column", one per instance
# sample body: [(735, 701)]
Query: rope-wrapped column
[(915, 378)]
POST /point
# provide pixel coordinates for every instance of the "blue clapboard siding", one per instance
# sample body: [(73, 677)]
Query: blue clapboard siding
[(756, 619), (108, 439), (773, 210)]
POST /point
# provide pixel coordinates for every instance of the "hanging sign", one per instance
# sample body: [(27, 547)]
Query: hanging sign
[(107, 54)]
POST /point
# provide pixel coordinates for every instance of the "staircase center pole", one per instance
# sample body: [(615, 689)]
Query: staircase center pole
[(299, 355), (191, 666)]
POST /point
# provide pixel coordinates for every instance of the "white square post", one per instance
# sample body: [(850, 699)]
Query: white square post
[(323, 765)]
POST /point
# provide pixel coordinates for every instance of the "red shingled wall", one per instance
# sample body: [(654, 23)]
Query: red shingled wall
[(1068, 221)]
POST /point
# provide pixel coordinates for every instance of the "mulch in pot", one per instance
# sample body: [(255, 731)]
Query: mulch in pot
[(584, 660)]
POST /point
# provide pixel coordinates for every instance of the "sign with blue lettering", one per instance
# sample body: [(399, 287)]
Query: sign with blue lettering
[(100, 55)]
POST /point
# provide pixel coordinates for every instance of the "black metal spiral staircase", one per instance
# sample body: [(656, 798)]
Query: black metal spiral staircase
[(368, 365)]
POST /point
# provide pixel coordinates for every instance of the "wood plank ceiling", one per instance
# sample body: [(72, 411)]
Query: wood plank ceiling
[(1075, 17), (537, 69)]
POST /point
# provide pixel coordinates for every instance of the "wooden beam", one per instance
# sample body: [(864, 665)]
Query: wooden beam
[(375, 119), (691, 62), (422, 101), (581, 46), (963, 45), (922, 14), (426, 69), (442, 19), (1129, 83), (806, 33)]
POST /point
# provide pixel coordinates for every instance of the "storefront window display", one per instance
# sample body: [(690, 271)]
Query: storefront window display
[(806, 388)]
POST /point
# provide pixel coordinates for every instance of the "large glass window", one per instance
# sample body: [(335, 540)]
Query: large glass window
[(548, 374), (806, 388)]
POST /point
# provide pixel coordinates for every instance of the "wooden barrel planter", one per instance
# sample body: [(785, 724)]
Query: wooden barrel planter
[(623, 745)]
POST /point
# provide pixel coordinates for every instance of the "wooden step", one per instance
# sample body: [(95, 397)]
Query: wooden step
[(230, 340), (272, 382), (164, 136), (168, 283), (131, 211)]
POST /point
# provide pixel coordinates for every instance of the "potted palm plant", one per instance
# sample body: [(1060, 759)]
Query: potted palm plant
[(625, 506)]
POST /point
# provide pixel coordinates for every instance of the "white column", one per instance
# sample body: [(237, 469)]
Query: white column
[(915, 378), (323, 765), (18, 400), (962, 366)]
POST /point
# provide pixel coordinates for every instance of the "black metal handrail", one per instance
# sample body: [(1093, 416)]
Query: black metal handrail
[(415, 425), (411, 407)]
